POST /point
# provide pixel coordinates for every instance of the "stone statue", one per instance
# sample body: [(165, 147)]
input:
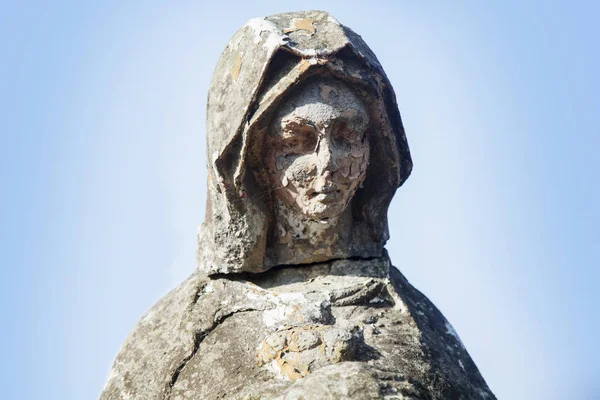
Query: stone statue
[(295, 296)]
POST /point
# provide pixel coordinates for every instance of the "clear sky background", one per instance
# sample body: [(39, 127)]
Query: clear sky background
[(103, 177)]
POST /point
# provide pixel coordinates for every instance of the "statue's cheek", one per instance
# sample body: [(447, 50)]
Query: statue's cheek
[(301, 171), (359, 163), (344, 166)]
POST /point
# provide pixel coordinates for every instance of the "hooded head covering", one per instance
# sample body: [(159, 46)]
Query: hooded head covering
[(264, 61)]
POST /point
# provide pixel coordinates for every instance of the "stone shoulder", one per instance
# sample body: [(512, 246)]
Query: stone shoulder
[(161, 340), (454, 375)]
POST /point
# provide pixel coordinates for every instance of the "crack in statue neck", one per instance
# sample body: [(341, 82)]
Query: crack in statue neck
[(308, 269)]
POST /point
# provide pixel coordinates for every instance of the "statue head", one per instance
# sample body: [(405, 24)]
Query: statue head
[(305, 147)]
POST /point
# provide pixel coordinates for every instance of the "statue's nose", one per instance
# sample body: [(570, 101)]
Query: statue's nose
[(325, 157)]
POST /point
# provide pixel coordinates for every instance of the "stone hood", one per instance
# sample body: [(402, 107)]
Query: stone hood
[(264, 60)]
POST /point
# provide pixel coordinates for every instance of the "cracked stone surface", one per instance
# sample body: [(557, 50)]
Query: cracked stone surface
[(295, 296), (336, 330)]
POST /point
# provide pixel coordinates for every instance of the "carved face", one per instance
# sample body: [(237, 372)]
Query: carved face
[(317, 151)]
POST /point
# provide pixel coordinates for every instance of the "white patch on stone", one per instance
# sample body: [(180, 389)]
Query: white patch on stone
[(274, 39), (292, 297), (398, 303), (376, 300), (450, 331), (461, 364), (277, 370), (285, 305), (332, 20), (253, 296), (309, 53)]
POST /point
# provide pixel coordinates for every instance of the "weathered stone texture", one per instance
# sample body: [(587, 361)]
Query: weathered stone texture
[(343, 329)]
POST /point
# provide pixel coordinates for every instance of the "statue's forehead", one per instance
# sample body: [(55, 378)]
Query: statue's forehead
[(319, 99), (320, 112)]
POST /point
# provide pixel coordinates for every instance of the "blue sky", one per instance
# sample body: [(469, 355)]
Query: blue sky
[(103, 172)]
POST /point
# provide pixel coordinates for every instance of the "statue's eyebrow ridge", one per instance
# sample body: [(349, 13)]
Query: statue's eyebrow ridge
[(297, 121)]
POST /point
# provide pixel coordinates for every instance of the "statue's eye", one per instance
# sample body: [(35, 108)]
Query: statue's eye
[(342, 136), (302, 140)]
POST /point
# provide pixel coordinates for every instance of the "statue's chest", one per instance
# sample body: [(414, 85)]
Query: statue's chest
[(281, 334)]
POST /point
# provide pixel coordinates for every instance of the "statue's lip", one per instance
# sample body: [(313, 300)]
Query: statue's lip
[(325, 190), (326, 195)]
